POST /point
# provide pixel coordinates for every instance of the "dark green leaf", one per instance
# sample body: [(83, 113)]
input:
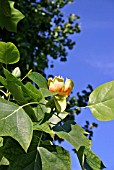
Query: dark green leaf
[(5, 8), (101, 102), (19, 160), (21, 94), (9, 53)]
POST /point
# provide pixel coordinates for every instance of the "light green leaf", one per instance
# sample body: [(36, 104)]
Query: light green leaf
[(92, 160), (80, 155), (72, 133), (10, 22), (56, 118), (34, 92), (46, 92), (4, 161), (1, 141), (15, 122), (41, 110), (101, 102), (9, 53), (89, 160), (57, 158), (43, 127), (38, 79), (60, 103)]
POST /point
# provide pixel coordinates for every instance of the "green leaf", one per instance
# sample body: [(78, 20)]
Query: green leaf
[(10, 22), (43, 127), (1, 141), (80, 155), (56, 118), (89, 160), (38, 79), (72, 133), (34, 91), (19, 91), (4, 161), (101, 102), (9, 53), (25, 94), (15, 122), (5, 8), (56, 158), (41, 110), (47, 93), (20, 160), (93, 160)]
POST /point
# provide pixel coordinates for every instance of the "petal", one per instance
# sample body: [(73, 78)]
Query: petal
[(69, 84), (58, 79), (49, 81), (52, 87)]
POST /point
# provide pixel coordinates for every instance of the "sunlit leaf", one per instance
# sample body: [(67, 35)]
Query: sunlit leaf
[(89, 160), (10, 21), (41, 110), (43, 127), (101, 102), (57, 158), (9, 53), (72, 133), (92, 160), (15, 122), (38, 79), (56, 118), (1, 141)]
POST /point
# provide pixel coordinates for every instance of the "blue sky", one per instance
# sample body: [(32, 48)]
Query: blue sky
[(92, 62)]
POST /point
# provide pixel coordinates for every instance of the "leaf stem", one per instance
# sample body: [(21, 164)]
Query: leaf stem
[(40, 139)]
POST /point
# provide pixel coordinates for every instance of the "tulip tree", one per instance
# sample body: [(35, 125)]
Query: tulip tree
[(31, 112), (42, 35)]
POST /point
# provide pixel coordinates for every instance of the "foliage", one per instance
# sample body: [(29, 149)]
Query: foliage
[(43, 33), (26, 119), (30, 119)]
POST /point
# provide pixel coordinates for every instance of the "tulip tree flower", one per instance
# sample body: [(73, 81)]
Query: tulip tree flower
[(62, 89)]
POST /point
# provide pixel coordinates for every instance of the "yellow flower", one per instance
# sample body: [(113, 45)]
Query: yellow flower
[(57, 85)]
